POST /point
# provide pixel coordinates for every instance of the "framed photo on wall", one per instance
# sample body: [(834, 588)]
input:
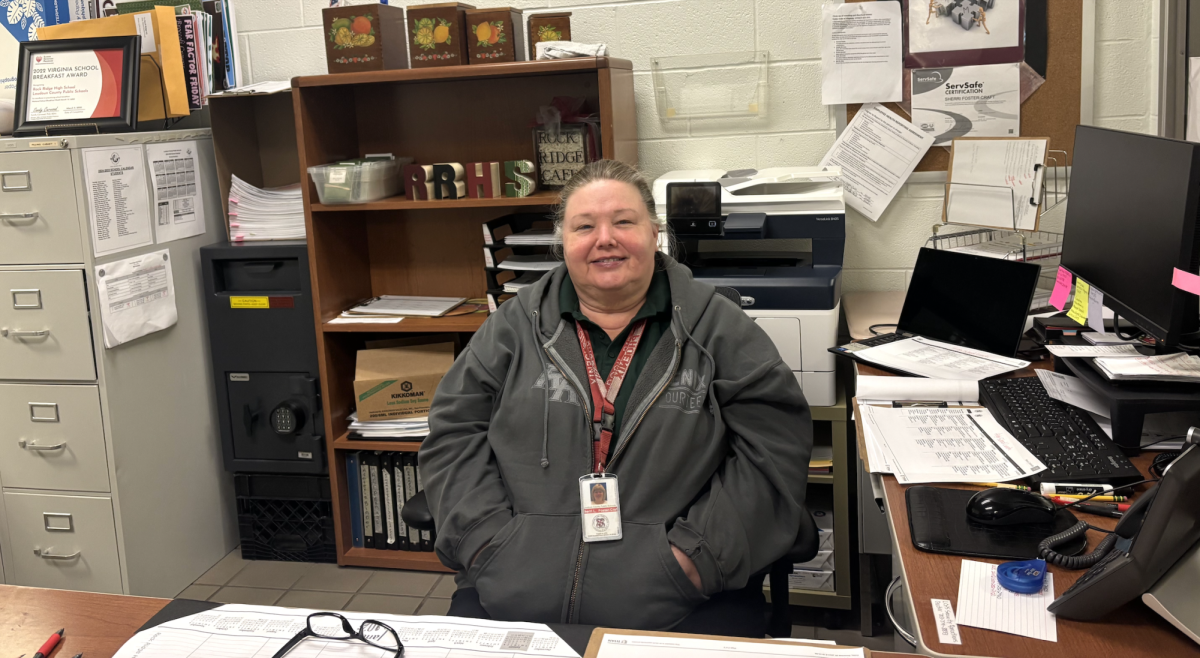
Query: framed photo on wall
[(77, 86)]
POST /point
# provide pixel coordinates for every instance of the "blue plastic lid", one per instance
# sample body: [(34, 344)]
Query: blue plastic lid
[(1024, 577)]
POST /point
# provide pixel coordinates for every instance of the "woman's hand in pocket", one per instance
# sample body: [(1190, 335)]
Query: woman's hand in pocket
[(689, 567)]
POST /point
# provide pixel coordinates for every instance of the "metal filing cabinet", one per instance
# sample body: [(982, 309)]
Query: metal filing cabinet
[(110, 463)]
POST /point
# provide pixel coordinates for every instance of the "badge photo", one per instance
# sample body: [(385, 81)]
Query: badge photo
[(600, 507)]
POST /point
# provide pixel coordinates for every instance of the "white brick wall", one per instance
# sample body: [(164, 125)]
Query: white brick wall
[(282, 38)]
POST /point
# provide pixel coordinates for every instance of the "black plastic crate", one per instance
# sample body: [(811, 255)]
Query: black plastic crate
[(286, 518)]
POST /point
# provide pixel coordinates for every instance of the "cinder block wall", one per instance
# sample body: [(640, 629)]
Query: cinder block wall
[(282, 38)]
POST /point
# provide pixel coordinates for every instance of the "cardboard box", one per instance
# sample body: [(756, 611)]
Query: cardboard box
[(822, 562), (399, 382), (821, 581)]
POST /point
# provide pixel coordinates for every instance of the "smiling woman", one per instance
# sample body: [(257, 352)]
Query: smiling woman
[(618, 445)]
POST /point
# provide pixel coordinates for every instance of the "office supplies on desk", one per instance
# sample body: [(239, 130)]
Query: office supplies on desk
[(870, 389), (967, 301), (984, 603), (1005, 507), (1162, 525), (1024, 577), (1067, 440), (1111, 510), (943, 445), (48, 647), (1000, 485), (1178, 367), (246, 631), (938, 523), (1073, 488), (1093, 351)]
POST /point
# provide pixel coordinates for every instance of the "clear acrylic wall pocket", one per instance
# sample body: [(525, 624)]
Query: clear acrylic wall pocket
[(710, 86)]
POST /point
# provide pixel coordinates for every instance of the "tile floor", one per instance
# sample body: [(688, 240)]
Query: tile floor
[(330, 587)]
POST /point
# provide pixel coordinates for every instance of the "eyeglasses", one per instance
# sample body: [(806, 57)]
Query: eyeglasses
[(325, 625)]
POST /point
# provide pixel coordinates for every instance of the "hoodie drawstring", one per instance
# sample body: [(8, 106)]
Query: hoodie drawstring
[(537, 343), (712, 365)]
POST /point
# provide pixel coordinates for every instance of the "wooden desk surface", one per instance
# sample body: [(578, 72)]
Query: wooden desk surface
[(1133, 630), (97, 624)]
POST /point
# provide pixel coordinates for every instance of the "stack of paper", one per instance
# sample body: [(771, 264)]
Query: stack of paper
[(257, 214), (821, 460), (984, 603), (539, 262), (929, 358), (401, 428), (526, 279), (534, 236), (920, 444), (1093, 351), (1104, 338), (1165, 368), (400, 306), (873, 390)]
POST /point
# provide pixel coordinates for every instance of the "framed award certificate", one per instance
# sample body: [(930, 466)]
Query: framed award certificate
[(77, 86)]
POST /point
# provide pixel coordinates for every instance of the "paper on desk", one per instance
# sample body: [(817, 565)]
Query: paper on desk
[(862, 48), (252, 631), (137, 297), (668, 646), (930, 358), (947, 627), (926, 444), (983, 603), (915, 388), (1106, 338), (877, 152), (1070, 390), (178, 192), (1092, 351), (993, 180)]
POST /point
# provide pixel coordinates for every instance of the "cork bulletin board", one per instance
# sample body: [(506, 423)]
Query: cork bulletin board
[(1053, 110)]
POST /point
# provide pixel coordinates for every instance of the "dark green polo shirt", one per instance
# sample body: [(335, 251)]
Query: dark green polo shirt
[(656, 310)]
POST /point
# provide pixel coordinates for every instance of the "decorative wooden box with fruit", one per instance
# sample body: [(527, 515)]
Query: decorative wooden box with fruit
[(496, 34), (437, 34), (364, 38), (548, 27)]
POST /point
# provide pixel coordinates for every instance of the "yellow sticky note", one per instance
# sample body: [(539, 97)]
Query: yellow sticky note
[(264, 302), (1079, 307)]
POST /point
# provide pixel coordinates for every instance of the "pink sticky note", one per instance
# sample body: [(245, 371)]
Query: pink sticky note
[(1062, 288), (1186, 281)]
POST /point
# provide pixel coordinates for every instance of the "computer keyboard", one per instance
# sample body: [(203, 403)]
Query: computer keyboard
[(1067, 440)]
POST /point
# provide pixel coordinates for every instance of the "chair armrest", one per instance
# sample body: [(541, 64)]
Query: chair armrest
[(416, 512)]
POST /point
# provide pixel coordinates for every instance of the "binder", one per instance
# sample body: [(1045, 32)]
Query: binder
[(376, 500), (410, 490), (426, 535), (368, 516), (398, 479), (389, 503), (354, 492)]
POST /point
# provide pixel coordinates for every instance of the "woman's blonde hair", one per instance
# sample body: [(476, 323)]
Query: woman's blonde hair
[(605, 170)]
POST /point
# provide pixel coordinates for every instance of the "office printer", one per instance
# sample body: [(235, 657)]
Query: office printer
[(778, 237)]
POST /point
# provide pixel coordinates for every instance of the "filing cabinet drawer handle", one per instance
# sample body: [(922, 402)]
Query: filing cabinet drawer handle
[(16, 188), (47, 555), (32, 445), (19, 218), (24, 333), (887, 604)]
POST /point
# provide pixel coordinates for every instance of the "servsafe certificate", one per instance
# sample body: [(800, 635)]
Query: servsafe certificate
[(967, 101), (72, 85)]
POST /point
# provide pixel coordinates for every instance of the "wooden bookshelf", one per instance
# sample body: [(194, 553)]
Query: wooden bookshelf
[(395, 246)]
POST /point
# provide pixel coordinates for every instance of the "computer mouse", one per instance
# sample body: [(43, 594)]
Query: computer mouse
[(1010, 507)]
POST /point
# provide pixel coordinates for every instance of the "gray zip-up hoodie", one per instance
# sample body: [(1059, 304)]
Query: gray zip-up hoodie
[(712, 457)]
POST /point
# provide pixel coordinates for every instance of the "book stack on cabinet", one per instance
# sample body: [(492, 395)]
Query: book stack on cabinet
[(435, 247)]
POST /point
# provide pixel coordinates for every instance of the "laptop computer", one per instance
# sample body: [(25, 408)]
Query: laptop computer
[(962, 299)]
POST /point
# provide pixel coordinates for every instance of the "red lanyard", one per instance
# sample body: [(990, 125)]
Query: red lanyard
[(605, 393)]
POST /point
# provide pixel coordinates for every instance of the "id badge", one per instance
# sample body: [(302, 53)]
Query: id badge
[(600, 507)]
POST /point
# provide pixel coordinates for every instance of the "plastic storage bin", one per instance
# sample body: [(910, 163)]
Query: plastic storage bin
[(356, 181), (286, 518)]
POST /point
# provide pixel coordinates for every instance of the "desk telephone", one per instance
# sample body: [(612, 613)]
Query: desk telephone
[(1156, 531)]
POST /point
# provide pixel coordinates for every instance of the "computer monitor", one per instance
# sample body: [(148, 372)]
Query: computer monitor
[(1131, 219)]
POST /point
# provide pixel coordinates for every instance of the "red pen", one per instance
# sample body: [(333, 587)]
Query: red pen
[(1116, 507), (48, 647)]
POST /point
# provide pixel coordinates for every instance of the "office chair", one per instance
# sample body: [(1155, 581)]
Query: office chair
[(779, 623)]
